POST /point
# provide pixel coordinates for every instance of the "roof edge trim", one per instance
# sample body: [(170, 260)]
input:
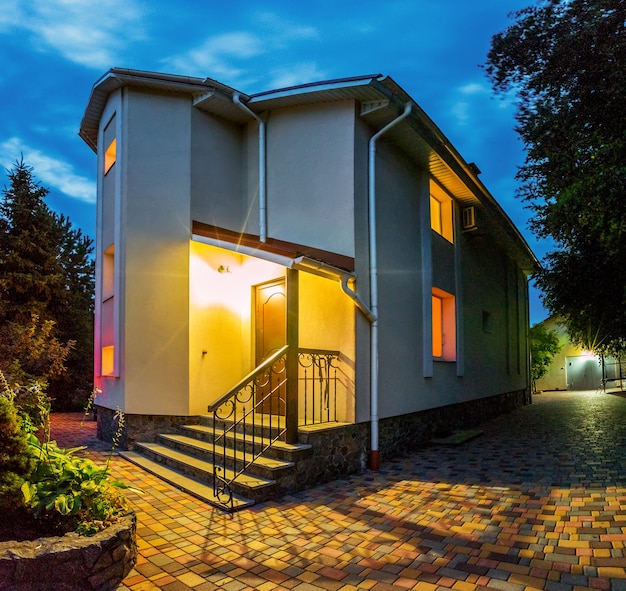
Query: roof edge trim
[(314, 87)]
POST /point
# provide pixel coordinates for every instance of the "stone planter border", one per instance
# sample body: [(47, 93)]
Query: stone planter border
[(71, 562)]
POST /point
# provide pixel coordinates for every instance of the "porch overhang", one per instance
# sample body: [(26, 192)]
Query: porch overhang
[(290, 256)]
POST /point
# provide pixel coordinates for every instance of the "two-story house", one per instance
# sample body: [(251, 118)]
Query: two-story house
[(320, 256)]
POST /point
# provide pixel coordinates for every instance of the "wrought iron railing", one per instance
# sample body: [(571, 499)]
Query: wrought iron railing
[(257, 404), (319, 380), (261, 392)]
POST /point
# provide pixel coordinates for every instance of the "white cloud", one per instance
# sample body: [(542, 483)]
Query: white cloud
[(215, 57), (474, 88), (461, 112), (280, 30), (52, 172), (92, 34), (10, 14), (229, 57), (296, 74), (468, 102)]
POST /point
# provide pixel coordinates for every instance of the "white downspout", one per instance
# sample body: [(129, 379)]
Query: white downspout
[(262, 168), (358, 302), (374, 454)]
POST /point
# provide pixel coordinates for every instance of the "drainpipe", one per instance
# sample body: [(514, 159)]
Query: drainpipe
[(359, 303), (374, 453), (262, 168)]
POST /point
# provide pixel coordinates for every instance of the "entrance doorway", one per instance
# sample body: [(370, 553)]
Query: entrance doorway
[(270, 336)]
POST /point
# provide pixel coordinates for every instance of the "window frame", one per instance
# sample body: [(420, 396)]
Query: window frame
[(443, 326), (110, 156), (441, 212)]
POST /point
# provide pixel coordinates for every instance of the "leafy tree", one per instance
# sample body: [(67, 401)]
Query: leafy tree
[(544, 345), (46, 291), (29, 349), (566, 62), (74, 314), (16, 459)]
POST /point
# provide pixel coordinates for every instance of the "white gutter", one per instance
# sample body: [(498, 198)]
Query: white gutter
[(360, 304), (374, 455), (262, 168), (285, 261), (330, 272)]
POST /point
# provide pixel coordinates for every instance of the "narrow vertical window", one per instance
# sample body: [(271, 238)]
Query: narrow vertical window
[(437, 327), (443, 325), (107, 321), (110, 156), (109, 142)]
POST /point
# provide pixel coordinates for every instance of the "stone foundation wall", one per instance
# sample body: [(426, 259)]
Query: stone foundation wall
[(335, 453), (71, 562), (138, 427), (399, 435), (338, 452)]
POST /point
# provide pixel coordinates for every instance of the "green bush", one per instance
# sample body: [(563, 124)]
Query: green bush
[(47, 489), (16, 457), (74, 491)]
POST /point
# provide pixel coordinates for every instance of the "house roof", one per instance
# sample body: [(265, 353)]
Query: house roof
[(381, 100)]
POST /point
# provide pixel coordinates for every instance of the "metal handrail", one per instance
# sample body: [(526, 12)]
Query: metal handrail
[(318, 381), (253, 374), (230, 405), (241, 404)]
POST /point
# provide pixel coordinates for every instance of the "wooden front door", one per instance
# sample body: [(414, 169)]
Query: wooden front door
[(270, 336)]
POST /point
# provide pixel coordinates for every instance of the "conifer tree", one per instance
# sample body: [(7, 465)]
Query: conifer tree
[(46, 291), (30, 274)]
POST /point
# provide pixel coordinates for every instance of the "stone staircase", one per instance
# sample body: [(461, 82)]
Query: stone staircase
[(184, 459)]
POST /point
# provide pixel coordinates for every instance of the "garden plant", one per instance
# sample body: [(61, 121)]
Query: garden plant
[(46, 490)]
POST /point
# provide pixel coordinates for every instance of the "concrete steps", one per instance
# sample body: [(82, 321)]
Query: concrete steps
[(185, 459), (198, 489)]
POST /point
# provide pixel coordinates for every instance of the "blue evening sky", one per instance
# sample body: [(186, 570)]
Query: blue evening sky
[(52, 52)]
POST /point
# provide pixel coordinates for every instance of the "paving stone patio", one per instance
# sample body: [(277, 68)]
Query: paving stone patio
[(538, 501)]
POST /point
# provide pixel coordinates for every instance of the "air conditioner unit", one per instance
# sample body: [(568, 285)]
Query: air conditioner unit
[(469, 218)]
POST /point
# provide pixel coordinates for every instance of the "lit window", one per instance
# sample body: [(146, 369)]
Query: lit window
[(441, 212), (435, 214), (108, 363), (107, 313), (443, 325), (110, 155)]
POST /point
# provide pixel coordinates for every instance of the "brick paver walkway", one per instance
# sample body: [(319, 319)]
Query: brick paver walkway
[(537, 502)]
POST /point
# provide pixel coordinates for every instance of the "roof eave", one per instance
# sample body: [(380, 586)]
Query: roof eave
[(117, 78)]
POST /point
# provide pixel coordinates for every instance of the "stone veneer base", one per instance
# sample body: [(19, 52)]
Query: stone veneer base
[(341, 451), (71, 562), (138, 427), (337, 452)]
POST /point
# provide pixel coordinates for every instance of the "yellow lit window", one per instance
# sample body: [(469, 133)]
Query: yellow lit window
[(107, 314), (108, 364), (435, 215), (441, 212), (443, 325), (437, 327), (110, 155)]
